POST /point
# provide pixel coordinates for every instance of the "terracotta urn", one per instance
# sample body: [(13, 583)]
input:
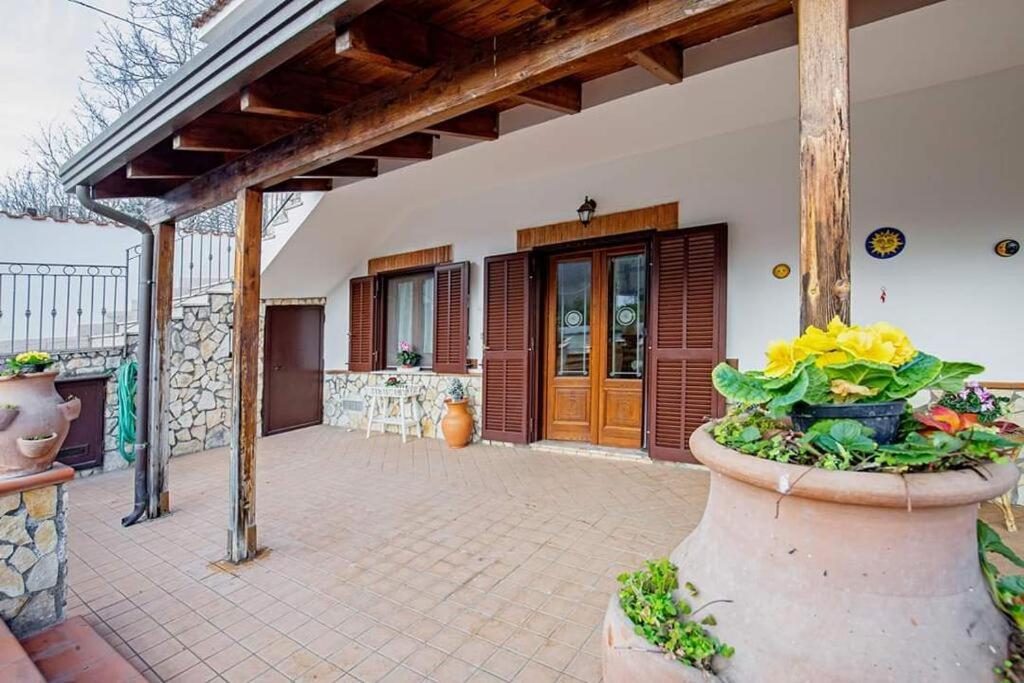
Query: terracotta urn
[(837, 576), (457, 423), (31, 438)]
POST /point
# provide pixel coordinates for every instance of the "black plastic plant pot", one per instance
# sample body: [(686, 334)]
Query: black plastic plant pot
[(883, 418)]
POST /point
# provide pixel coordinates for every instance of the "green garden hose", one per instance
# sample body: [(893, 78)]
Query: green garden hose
[(126, 377)]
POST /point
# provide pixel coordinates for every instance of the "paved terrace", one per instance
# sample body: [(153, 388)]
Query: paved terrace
[(386, 562)]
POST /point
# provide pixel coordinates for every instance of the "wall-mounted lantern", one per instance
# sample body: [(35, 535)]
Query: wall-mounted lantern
[(586, 211)]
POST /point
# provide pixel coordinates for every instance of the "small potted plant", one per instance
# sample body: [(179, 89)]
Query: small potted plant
[(8, 411), (393, 381), (407, 358), (30, 361), (457, 423), (843, 372)]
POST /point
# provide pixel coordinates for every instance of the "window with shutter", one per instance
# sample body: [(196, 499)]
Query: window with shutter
[(687, 336), (361, 324), (451, 317), (509, 328)]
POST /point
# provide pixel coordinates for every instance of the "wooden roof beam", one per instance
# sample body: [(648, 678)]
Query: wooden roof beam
[(386, 39), (296, 95), (230, 133), (163, 162), (663, 61), (303, 185), (478, 125), (548, 49), (118, 186), (415, 147), (346, 168), (565, 96)]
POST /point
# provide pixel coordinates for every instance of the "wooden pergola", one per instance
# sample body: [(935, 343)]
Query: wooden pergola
[(304, 93)]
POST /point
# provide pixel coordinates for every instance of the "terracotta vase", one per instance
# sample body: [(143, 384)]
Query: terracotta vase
[(457, 423), (41, 412), (839, 576)]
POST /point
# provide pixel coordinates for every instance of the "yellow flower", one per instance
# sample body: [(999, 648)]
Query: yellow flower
[(30, 357), (831, 358), (836, 327), (866, 345), (815, 340), (782, 358), (898, 338)]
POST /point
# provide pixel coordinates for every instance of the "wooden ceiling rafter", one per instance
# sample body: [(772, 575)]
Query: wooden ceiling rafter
[(354, 167), (292, 94), (564, 96), (664, 61)]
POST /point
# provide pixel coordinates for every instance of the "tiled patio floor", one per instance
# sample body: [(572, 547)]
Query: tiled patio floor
[(385, 562)]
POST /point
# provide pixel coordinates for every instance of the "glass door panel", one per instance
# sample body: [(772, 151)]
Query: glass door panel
[(572, 320), (627, 283)]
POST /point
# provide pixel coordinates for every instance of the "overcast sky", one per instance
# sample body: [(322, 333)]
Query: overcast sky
[(42, 57)]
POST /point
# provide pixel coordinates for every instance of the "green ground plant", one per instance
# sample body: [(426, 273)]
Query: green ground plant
[(646, 596)]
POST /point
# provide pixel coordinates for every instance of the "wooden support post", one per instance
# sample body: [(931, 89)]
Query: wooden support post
[(159, 426), (244, 376), (824, 56)]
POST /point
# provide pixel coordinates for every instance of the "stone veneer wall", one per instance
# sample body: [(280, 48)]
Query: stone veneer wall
[(200, 382), (33, 558), (345, 405)]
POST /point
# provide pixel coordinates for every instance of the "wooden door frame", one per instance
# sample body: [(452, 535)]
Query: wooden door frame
[(548, 255), (264, 431)]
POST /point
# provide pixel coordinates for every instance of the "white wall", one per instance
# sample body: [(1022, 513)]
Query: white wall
[(944, 163), (49, 241)]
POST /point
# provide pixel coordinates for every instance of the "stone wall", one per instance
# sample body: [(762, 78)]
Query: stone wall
[(200, 383), (33, 557), (345, 405)]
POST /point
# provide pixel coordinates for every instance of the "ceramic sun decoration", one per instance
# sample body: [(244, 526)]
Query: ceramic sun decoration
[(34, 418)]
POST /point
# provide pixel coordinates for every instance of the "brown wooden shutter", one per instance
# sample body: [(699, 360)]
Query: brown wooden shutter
[(361, 324), (509, 331), (451, 317), (687, 336)]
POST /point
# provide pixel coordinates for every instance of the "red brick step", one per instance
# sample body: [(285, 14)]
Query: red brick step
[(73, 651)]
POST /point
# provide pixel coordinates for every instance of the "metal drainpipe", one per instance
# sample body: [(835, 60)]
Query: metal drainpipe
[(142, 349)]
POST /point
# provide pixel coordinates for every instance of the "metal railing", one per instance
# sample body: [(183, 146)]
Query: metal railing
[(205, 259), (62, 306)]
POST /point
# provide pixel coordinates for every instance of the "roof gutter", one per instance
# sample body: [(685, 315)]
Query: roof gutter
[(142, 348)]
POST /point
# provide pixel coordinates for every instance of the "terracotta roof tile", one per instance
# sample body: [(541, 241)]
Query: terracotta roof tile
[(209, 13), (45, 217)]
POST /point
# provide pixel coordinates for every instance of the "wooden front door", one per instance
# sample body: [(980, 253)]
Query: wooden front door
[(293, 368), (594, 362)]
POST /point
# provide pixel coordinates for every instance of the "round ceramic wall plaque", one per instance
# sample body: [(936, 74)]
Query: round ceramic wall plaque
[(781, 271), (1007, 248), (885, 243)]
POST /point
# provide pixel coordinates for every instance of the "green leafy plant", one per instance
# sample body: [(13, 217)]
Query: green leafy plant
[(840, 444), (456, 391), (647, 599), (393, 382), (847, 444), (1007, 593)]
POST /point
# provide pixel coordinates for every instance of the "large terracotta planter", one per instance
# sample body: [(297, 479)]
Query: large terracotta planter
[(457, 423), (849, 576), (30, 441)]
